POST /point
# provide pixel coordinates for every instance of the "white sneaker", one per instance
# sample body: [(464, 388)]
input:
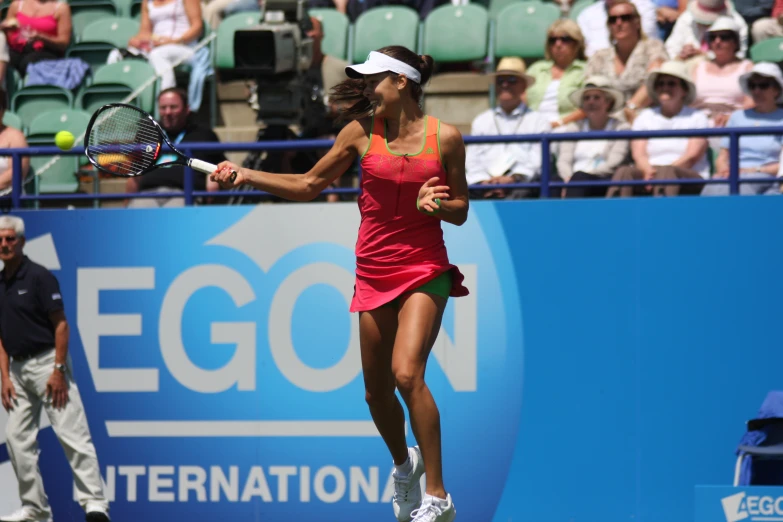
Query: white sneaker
[(435, 512), (25, 514), (407, 491)]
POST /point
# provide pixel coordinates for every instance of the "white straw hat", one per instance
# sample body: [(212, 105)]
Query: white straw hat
[(672, 68), (766, 69), (598, 83)]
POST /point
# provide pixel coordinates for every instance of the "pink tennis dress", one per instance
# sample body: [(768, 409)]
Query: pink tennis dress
[(399, 248)]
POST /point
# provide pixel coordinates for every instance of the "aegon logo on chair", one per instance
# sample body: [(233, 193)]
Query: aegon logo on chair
[(752, 507)]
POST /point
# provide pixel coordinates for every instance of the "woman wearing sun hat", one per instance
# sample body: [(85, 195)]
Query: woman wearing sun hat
[(687, 39), (588, 160), (717, 78), (672, 91), (759, 156)]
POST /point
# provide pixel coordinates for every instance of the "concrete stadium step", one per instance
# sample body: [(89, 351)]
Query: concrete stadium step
[(457, 98)]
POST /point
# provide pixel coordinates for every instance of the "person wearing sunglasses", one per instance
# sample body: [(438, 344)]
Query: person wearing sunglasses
[(688, 42), (672, 91), (629, 59), (560, 73), (717, 78), (759, 156), (506, 163), (593, 23), (36, 375)]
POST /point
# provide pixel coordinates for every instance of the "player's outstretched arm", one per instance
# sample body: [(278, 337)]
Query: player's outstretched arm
[(302, 187)]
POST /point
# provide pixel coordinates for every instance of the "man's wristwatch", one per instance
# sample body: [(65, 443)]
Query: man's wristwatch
[(632, 106), (60, 368)]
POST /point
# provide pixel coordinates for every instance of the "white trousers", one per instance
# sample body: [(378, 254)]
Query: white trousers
[(70, 425), (161, 58)]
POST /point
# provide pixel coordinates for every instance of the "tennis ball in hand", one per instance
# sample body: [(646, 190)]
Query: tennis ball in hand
[(64, 140)]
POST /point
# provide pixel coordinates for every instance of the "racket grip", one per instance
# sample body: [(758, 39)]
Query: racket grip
[(208, 168)]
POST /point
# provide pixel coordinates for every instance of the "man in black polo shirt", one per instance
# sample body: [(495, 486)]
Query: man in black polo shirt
[(181, 127), (36, 373)]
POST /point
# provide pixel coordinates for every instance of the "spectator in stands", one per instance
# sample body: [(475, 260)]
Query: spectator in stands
[(753, 10), (169, 31), (180, 127), (593, 23), (505, 163), (667, 158), (559, 74), (667, 12), (687, 41), (770, 26), (629, 59), (718, 90), (36, 30), (759, 156), (589, 160), (10, 138)]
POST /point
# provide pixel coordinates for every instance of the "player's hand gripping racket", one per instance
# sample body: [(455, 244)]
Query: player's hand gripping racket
[(124, 140)]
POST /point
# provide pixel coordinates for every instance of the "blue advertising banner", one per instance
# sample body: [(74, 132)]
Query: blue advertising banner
[(603, 365), (730, 504)]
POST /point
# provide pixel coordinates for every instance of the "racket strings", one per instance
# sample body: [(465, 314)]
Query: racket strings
[(123, 141)]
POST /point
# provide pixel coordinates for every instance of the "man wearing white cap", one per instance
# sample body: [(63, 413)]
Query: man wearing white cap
[(687, 40), (505, 163)]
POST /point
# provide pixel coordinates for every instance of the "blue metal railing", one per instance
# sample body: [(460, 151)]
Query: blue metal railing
[(544, 184)]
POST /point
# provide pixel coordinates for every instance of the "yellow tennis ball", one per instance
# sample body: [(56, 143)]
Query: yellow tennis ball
[(64, 140)]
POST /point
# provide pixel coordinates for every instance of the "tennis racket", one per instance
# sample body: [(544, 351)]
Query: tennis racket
[(123, 140)]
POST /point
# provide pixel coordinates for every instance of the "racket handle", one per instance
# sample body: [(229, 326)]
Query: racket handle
[(207, 168)]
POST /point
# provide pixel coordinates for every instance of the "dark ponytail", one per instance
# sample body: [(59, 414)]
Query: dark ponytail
[(352, 90)]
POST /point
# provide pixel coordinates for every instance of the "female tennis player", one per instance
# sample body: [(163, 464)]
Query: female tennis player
[(413, 178)]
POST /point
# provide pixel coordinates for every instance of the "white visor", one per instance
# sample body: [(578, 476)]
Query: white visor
[(378, 62)]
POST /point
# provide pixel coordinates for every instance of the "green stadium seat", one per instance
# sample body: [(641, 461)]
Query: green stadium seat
[(11, 119), (100, 37), (577, 7), (382, 26), (30, 101), (456, 33), (49, 123), (54, 176), (522, 28), (83, 14), (336, 28), (224, 43), (114, 30), (496, 6), (114, 82), (767, 51)]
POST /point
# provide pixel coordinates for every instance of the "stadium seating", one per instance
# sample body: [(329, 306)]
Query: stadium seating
[(391, 25), (100, 37), (55, 176), (12, 120), (336, 31), (456, 33), (114, 82), (224, 46), (32, 100), (84, 12), (578, 7), (522, 27), (767, 51)]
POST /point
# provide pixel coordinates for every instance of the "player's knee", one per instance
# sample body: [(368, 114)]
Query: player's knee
[(408, 381), (377, 396)]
